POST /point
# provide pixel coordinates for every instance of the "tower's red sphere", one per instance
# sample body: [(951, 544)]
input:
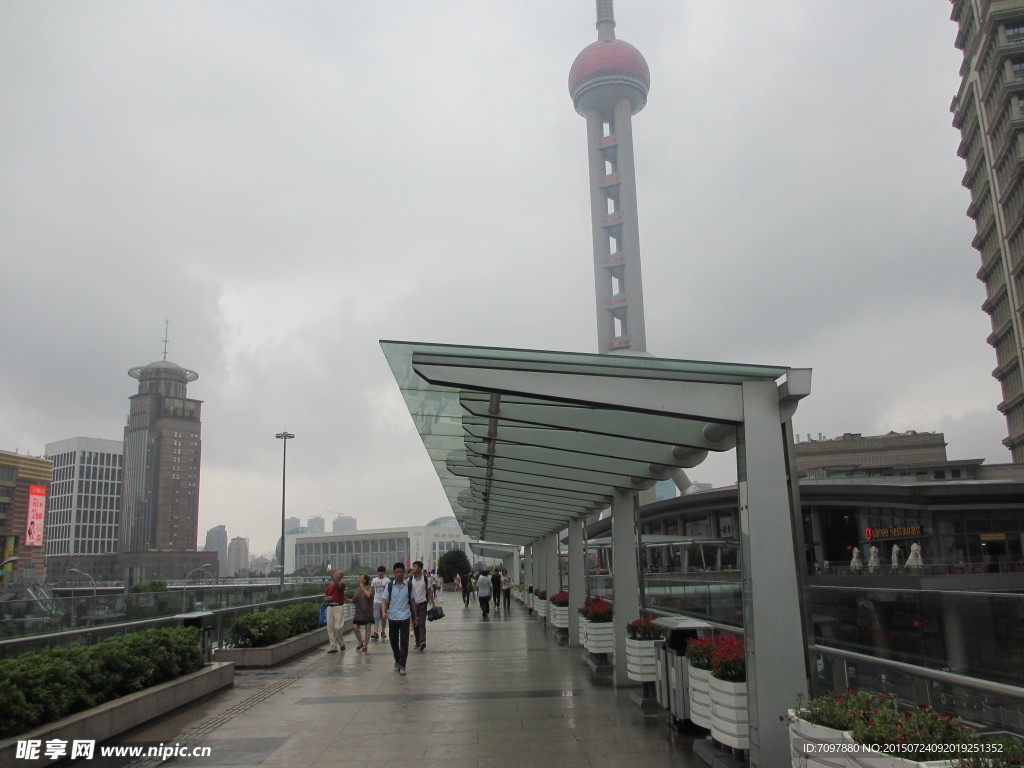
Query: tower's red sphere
[(606, 72)]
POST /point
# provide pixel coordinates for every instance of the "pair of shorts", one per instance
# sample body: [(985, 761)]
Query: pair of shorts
[(376, 613)]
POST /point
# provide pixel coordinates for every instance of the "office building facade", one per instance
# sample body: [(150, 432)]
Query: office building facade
[(344, 523), (217, 541), (989, 113), (238, 557), (83, 509), (855, 451), (367, 549)]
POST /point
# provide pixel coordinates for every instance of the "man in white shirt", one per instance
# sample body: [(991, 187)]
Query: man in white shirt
[(421, 593), (379, 584)]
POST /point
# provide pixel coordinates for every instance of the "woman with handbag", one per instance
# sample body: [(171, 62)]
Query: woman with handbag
[(363, 601)]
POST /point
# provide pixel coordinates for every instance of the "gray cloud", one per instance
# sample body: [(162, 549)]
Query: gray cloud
[(290, 183)]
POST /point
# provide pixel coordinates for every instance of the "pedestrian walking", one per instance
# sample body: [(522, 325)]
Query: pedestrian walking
[(496, 589), (363, 601), (398, 608), (483, 591), (467, 588), (506, 588), (423, 595), (379, 584), (335, 596), (437, 583)]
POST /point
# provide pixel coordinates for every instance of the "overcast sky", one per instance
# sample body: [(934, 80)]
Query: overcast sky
[(288, 183)]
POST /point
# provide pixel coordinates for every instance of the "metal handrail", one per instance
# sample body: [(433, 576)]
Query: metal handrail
[(949, 678)]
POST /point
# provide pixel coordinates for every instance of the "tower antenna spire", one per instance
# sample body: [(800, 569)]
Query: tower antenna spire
[(605, 20), (167, 324)]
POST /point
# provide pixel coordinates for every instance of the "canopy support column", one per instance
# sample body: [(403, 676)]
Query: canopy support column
[(625, 579), (528, 565), (577, 579), (772, 620), (514, 567)]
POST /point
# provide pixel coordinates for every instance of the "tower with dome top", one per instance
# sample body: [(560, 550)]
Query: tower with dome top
[(160, 493), (608, 83)]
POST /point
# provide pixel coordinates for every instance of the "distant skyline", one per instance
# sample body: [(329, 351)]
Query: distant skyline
[(289, 184)]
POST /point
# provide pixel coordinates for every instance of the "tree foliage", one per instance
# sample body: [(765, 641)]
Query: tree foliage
[(451, 563)]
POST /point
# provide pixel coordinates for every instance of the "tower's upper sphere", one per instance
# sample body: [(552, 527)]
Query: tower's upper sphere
[(607, 72)]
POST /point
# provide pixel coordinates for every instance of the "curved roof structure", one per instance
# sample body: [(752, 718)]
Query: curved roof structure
[(524, 441)]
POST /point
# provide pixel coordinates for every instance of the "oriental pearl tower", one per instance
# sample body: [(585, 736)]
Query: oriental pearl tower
[(608, 83)]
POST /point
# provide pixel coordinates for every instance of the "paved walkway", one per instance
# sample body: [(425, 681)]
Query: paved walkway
[(484, 694)]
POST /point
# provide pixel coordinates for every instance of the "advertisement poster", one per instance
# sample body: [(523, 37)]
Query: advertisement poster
[(36, 508)]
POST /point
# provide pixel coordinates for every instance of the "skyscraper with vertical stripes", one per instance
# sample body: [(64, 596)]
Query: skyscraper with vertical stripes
[(608, 83), (989, 112)]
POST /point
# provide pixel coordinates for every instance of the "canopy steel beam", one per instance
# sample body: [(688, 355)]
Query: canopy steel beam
[(669, 429)]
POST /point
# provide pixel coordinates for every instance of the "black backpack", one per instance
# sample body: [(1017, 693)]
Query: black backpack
[(408, 583)]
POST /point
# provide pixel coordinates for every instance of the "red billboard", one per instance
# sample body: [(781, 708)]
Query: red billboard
[(36, 510)]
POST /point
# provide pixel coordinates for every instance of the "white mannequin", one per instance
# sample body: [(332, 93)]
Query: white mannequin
[(856, 563), (915, 560), (873, 562)]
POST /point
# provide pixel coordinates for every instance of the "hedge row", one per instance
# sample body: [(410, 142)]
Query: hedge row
[(40, 687), (257, 630)]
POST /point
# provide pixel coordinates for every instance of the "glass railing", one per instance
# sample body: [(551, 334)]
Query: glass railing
[(976, 634), (26, 618), (992, 710)]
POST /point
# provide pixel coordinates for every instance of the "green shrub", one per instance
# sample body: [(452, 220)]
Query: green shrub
[(156, 585), (258, 630), (40, 687)]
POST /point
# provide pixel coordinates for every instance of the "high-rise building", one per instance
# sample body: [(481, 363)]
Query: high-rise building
[(344, 523), (989, 112), (217, 541), (82, 513), (24, 483), (160, 496), (608, 83), (316, 524), (238, 556), (291, 523)]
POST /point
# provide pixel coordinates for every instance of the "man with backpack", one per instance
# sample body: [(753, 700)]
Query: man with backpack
[(419, 582), (398, 609)]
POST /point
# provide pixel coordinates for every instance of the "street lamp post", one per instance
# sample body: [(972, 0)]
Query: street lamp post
[(83, 573), (285, 437), (184, 586)]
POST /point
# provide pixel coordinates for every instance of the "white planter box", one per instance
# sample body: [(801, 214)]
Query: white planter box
[(540, 608), (803, 733), (559, 616), (269, 655), (865, 760), (729, 724), (700, 697), (641, 662), (601, 637), (583, 631)]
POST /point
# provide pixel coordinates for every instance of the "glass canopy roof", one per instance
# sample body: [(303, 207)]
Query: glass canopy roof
[(525, 441)]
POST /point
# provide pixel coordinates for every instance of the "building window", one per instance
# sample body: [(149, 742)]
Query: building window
[(1018, 70), (1015, 34)]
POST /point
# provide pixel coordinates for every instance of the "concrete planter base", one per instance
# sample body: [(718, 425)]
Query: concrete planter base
[(273, 654), (120, 715)]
